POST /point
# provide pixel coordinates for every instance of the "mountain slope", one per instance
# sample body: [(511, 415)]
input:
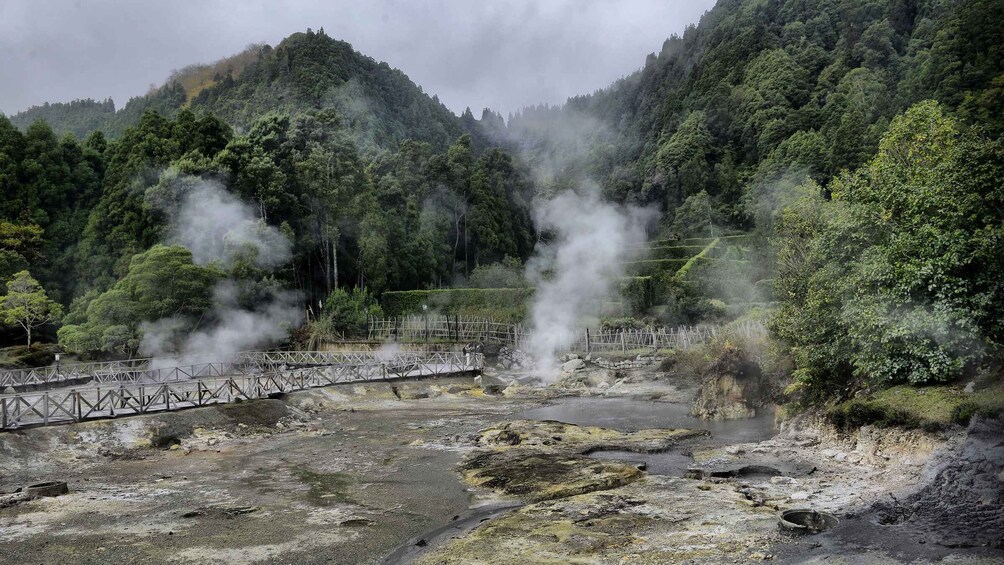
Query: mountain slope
[(761, 89), (305, 71)]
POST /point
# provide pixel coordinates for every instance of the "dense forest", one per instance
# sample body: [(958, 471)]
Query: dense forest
[(857, 142)]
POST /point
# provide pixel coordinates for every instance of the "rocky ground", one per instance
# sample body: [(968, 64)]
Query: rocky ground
[(726, 508), (438, 471)]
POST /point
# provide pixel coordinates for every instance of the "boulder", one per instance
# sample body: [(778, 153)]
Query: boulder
[(491, 384), (573, 365)]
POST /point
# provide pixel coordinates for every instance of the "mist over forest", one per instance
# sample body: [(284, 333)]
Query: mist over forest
[(759, 122)]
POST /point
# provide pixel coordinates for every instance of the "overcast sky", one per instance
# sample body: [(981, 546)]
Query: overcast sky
[(477, 53)]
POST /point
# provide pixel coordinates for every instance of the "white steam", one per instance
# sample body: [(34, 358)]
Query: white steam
[(579, 268), (216, 226), (220, 229)]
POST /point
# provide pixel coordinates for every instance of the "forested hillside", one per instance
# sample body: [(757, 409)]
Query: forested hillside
[(309, 70), (761, 90), (860, 143), (77, 214)]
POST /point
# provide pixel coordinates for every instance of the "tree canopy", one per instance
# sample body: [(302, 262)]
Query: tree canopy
[(26, 305), (899, 278)]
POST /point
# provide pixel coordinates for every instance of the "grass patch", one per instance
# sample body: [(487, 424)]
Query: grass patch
[(929, 408), (23, 357)]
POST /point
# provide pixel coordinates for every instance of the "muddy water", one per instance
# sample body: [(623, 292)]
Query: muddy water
[(630, 415)]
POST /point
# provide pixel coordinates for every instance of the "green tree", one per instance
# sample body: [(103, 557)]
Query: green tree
[(347, 311), (20, 246), (901, 274), (161, 283), (26, 304)]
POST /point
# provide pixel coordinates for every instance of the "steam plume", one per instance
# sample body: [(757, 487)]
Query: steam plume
[(579, 268), (220, 229)]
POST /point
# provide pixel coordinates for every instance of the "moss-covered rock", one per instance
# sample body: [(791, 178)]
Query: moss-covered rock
[(542, 460), (556, 436), (652, 520), (545, 476), (731, 386), (929, 408)]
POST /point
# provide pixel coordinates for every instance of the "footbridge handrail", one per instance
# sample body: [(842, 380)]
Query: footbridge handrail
[(205, 384)]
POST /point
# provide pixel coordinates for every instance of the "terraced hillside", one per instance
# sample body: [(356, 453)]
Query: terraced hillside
[(645, 287)]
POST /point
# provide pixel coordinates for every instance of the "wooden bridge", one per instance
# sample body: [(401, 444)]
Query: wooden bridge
[(128, 389), (57, 394)]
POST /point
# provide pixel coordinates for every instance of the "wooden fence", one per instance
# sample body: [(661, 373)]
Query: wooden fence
[(589, 340), (460, 329), (121, 398)]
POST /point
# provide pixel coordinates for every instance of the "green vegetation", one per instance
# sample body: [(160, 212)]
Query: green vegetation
[(345, 313), (837, 165), (24, 357), (502, 304), (930, 408), (26, 305), (405, 219), (161, 283), (650, 267), (898, 277)]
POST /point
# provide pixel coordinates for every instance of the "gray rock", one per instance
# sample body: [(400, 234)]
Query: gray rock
[(573, 365), (491, 384)]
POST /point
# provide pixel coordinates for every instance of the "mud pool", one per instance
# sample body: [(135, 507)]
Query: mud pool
[(630, 414)]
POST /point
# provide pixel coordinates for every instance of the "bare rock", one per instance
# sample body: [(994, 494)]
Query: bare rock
[(573, 365)]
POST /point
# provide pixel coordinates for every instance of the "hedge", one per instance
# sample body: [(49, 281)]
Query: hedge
[(651, 267), (696, 259), (503, 304), (674, 252)]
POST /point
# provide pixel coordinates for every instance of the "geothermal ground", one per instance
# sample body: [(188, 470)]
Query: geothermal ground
[(604, 468)]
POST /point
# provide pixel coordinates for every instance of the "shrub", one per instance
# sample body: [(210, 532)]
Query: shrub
[(346, 312), (638, 294), (506, 274)]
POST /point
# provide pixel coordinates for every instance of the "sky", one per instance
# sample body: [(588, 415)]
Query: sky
[(501, 54)]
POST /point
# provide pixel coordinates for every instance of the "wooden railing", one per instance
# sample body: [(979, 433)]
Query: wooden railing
[(66, 372), (184, 388), (588, 340)]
